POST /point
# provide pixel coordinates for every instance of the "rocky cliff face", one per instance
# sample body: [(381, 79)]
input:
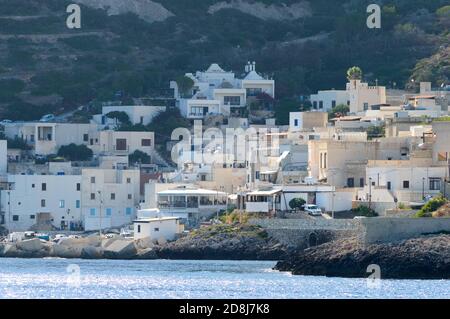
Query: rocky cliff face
[(420, 258), (263, 11), (225, 242), (147, 10)]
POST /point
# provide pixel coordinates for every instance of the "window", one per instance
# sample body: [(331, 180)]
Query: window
[(232, 100), (113, 196), (92, 179), (77, 203), (62, 204), (32, 185), (121, 144), (435, 184), (389, 185), (85, 137), (324, 160), (406, 184), (92, 212), (32, 216), (320, 104), (146, 142), (15, 218), (130, 196), (350, 182), (78, 186), (139, 228), (315, 105), (42, 202), (44, 187), (92, 196), (156, 229), (361, 182), (366, 106), (108, 212), (128, 211), (333, 103), (128, 180), (253, 91), (296, 122)]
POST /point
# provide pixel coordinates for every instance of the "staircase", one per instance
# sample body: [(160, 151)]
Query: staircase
[(159, 160)]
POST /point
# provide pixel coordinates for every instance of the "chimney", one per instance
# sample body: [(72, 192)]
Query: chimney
[(254, 66)]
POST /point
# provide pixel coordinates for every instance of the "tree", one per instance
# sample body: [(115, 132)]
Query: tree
[(354, 73), (375, 131), (185, 84), (297, 203), (73, 152), (338, 111), (283, 109), (120, 116), (139, 157)]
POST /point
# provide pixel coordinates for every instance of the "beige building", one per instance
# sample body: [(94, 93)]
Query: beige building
[(343, 162)]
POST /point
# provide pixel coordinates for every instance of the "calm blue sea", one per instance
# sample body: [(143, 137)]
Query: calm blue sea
[(63, 278)]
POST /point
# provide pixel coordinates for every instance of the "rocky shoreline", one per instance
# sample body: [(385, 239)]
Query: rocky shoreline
[(426, 257), (216, 242), (240, 242)]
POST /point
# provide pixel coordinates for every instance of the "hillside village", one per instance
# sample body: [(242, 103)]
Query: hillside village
[(361, 151)]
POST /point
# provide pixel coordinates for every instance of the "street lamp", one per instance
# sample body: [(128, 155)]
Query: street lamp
[(423, 188)]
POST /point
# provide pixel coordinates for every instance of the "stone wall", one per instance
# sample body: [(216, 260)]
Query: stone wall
[(304, 233), (379, 230)]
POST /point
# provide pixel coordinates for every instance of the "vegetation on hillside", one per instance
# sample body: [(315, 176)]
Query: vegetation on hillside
[(122, 56)]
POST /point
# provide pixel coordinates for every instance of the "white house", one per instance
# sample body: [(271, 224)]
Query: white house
[(110, 197), (359, 96), (190, 203), (124, 142), (324, 101), (216, 91), (157, 228), (46, 202), (47, 138)]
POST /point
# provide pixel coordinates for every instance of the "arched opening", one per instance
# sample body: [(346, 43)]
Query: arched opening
[(312, 240)]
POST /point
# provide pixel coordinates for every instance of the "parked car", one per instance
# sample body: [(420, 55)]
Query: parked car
[(313, 210), (47, 118)]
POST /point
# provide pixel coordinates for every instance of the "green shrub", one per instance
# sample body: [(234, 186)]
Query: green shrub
[(431, 206), (75, 152), (297, 203), (364, 211)]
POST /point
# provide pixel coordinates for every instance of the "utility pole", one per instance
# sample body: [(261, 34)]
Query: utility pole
[(100, 212), (370, 192)]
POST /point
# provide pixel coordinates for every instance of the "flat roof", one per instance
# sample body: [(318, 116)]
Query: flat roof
[(265, 193), (188, 191), (149, 220)]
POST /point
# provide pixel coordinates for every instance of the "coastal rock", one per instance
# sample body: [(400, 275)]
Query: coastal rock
[(233, 242), (30, 245), (9, 250), (425, 257), (121, 249), (144, 243), (108, 241), (65, 251), (90, 252), (147, 253)]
